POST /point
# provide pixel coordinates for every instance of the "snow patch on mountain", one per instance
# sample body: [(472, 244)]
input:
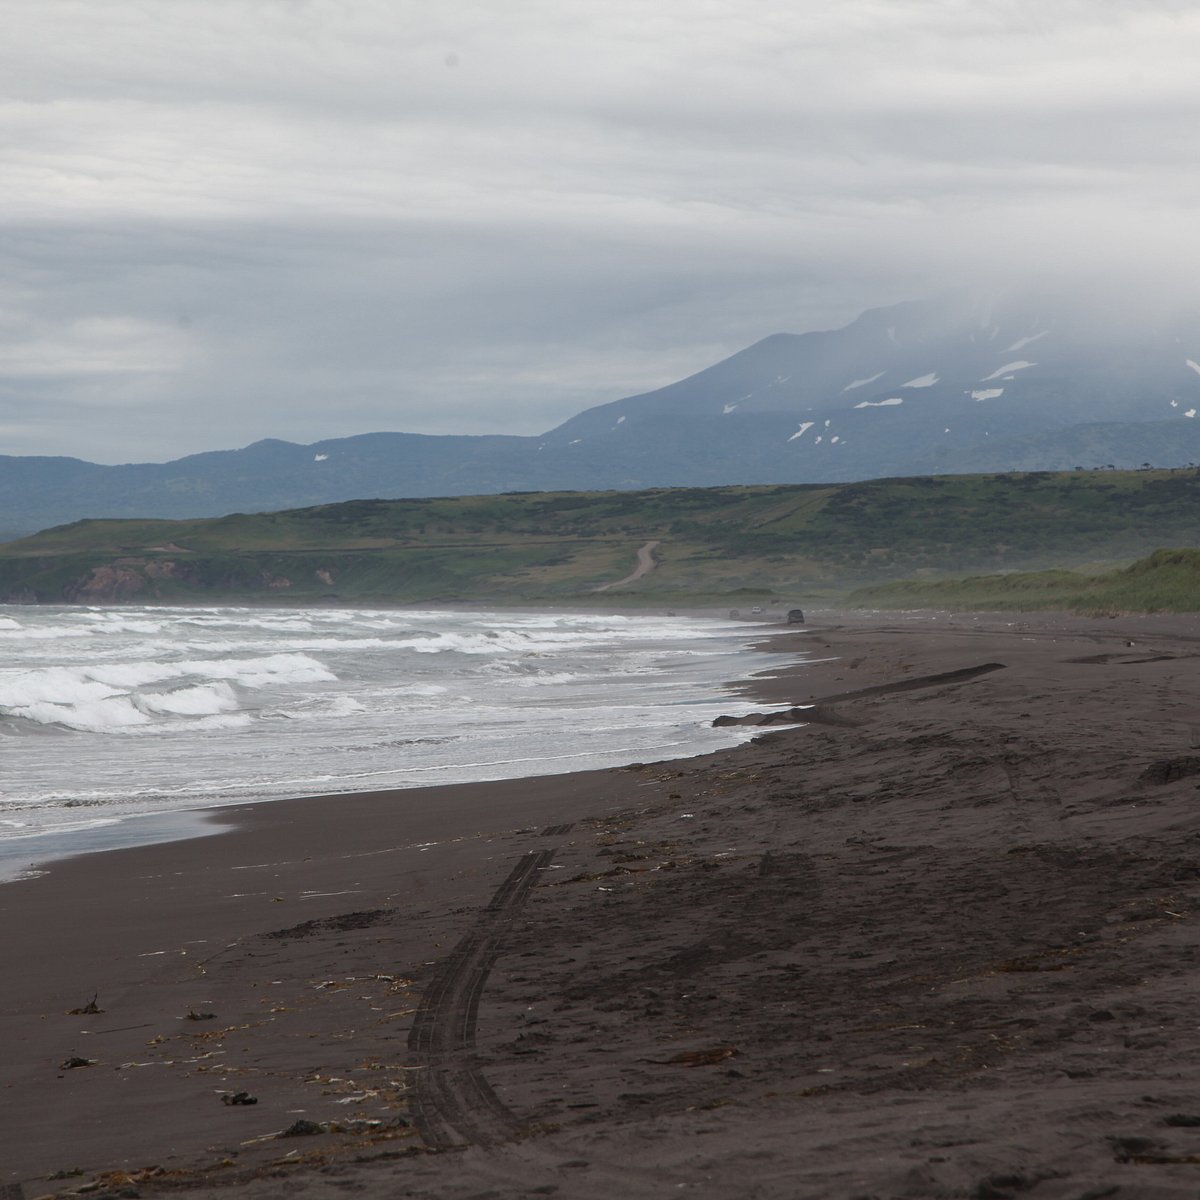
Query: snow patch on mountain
[(922, 381), (804, 428), (728, 408), (1019, 365), (857, 383), (879, 403), (1021, 343), (1194, 365), (987, 394)]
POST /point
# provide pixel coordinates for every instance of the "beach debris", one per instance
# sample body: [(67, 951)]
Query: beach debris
[(75, 1061), (120, 1183), (302, 1128), (698, 1058), (193, 1015), (90, 1009), (233, 1098), (394, 1126), (592, 876)]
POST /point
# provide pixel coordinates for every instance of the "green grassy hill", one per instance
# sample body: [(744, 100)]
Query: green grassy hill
[(715, 544), (1165, 581)]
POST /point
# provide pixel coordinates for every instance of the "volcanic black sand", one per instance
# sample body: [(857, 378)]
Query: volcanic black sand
[(939, 942)]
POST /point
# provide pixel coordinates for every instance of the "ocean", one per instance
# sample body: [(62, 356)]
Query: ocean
[(109, 716)]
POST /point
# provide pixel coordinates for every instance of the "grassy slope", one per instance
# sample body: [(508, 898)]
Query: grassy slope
[(1165, 581), (718, 544)]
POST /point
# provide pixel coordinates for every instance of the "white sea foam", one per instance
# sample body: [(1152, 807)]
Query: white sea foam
[(202, 700), (27, 633), (260, 672), (106, 713), (94, 716)]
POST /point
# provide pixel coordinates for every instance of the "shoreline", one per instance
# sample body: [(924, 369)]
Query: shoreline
[(944, 940), (35, 852)]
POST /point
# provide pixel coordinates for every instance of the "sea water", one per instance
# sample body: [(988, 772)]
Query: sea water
[(112, 713)]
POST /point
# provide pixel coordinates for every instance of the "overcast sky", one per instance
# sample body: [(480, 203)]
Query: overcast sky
[(222, 220)]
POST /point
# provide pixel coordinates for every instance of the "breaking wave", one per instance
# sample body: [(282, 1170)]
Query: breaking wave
[(106, 713), (108, 697)]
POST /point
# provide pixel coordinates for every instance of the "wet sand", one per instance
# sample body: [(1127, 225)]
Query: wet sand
[(940, 942)]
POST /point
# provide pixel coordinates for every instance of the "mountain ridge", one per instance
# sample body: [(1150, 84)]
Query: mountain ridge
[(958, 383)]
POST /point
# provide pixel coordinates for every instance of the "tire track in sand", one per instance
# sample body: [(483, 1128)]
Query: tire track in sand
[(453, 1104)]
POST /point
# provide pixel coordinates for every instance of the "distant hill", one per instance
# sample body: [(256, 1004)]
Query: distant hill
[(951, 385), (730, 546)]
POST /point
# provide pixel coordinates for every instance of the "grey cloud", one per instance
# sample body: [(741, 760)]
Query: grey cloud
[(228, 219)]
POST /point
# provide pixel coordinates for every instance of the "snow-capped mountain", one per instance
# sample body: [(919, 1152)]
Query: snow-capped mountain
[(956, 384)]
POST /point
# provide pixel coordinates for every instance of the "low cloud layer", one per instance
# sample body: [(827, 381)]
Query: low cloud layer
[(229, 219)]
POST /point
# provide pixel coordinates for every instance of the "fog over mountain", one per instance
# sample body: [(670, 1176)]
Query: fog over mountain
[(958, 383), (228, 220)]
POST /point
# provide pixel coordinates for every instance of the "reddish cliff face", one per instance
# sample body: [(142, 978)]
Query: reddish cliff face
[(125, 579), (106, 585), (139, 579)]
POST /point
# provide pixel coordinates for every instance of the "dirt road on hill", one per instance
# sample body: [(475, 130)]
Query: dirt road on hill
[(645, 564)]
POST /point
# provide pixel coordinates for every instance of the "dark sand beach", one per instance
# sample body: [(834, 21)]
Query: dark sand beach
[(940, 942)]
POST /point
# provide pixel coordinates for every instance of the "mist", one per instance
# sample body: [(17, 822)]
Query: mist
[(226, 221)]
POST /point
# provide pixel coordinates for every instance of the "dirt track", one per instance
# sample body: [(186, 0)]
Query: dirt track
[(645, 564)]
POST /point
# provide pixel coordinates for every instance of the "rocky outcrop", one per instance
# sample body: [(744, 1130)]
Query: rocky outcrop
[(106, 584), (165, 570)]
